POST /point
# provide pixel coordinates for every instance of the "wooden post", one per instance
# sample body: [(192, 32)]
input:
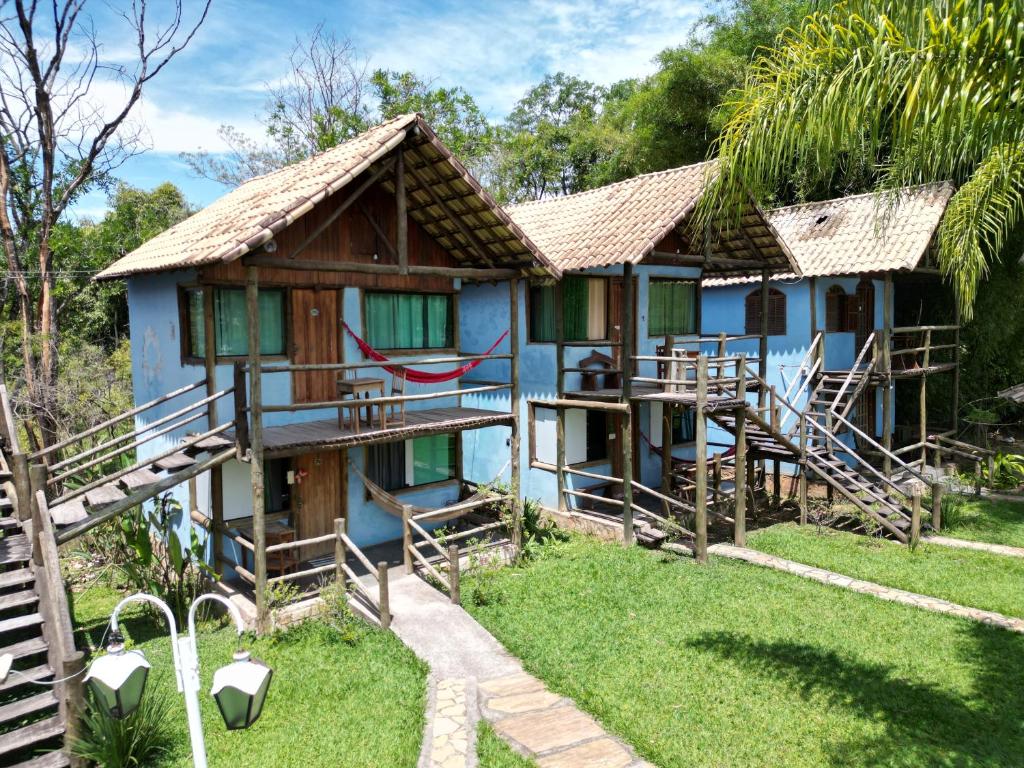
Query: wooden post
[(721, 354), (716, 482), (977, 478), (37, 482), (340, 553), (777, 480), (667, 410), (887, 389), (626, 421), (559, 392), (956, 367), (762, 348), (407, 537), (22, 485), (514, 394), (701, 479), (803, 469), (216, 474), (915, 518), (991, 472), (402, 233), (813, 298), (924, 398), (453, 573), (383, 594), (259, 510), (241, 415), (740, 481), (937, 489)]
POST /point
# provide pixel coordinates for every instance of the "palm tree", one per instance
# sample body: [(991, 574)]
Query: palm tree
[(911, 91)]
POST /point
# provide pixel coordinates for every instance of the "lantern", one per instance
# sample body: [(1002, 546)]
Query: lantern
[(240, 689), (118, 680)]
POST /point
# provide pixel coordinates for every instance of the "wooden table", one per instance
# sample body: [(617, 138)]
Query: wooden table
[(366, 388), (285, 560)]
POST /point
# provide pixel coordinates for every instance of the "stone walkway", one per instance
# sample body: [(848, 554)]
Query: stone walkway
[(981, 546), (473, 676), (867, 587)]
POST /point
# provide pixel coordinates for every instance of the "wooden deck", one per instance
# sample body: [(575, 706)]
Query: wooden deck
[(298, 438)]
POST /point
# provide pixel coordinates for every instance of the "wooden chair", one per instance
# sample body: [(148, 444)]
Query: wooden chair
[(395, 412)]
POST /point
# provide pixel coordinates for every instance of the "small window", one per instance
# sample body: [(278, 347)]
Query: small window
[(672, 307), (597, 435), (840, 310), (776, 312), (422, 460), (231, 322), (410, 320), (276, 491), (584, 310), (684, 427)]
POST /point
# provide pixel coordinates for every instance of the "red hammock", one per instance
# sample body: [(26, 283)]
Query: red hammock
[(411, 374)]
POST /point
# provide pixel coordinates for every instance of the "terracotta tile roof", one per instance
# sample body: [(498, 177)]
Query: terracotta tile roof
[(251, 215), (863, 233), (625, 221)]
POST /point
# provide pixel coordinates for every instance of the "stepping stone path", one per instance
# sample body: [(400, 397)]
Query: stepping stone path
[(831, 578), (473, 676), (981, 546)]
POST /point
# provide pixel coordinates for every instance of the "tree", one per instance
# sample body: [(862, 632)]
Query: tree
[(451, 112), (887, 95), (321, 103), (550, 142), (57, 144)]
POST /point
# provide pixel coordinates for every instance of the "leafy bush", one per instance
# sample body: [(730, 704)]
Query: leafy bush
[(538, 530), (136, 741), (1007, 470)]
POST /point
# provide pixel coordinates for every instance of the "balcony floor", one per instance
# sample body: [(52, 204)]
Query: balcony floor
[(303, 437)]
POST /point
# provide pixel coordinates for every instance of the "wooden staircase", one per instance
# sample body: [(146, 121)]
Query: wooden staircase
[(32, 725)]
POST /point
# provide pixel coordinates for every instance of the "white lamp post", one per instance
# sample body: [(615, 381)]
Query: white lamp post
[(118, 679)]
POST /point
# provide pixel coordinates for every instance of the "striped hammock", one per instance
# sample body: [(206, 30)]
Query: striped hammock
[(393, 505)]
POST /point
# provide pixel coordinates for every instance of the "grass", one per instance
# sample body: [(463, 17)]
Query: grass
[(492, 752), (981, 519), (332, 702), (732, 665), (972, 578)]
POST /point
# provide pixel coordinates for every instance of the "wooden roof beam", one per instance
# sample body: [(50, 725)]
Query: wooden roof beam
[(311, 265)]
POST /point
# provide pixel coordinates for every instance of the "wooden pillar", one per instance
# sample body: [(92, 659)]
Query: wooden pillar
[(407, 537), (667, 410), (22, 485), (803, 469), (888, 384), (453, 573), (37, 482), (977, 477), (516, 466), (402, 233), (915, 518), (340, 553), (740, 482), (956, 368), (937, 489), (701, 480), (762, 347), (259, 523), (216, 474), (626, 441), (383, 594), (559, 392), (813, 299)]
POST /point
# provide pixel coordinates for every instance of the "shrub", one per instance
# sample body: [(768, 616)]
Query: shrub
[(137, 740)]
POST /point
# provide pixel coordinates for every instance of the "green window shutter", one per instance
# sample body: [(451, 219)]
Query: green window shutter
[(196, 324), (439, 321), (672, 307), (381, 320), (433, 459), (656, 309), (575, 307), (271, 308), (409, 320), (542, 313)]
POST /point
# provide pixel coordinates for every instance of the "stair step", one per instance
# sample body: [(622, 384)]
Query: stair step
[(69, 512), (19, 709), (42, 672), (8, 523), (174, 462), (25, 648), (104, 495), (212, 443), (16, 578), (140, 478), (18, 599), (20, 622), (49, 760), (31, 734), (15, 549)]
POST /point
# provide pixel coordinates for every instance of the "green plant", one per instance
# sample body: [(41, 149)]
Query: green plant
[(1007, 470), (338, 615), (153, 558), (538, 530), (137, 740)]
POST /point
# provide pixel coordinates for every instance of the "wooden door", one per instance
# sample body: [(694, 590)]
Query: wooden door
[(316, 329), (864, 320), (316, 498)]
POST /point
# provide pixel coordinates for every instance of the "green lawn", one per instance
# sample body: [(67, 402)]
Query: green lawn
[(331, 702), (995, 522), (492, 752), (733, 665), (968, 577)]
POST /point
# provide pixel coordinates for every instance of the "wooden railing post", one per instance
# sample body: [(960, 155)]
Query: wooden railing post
[(340, 553), (241, 417), (515, 396), (915, 517), (625, 443), (453, 573), (937, 489), (259, 506), (740, 481), (977, 478), (384, 598), (701, 457), (407, 537), (803, 469), (37, 482), (559, 391), (22, 486), (991, 471)]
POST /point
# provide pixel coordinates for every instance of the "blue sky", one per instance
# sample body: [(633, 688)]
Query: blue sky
[(496, 50)]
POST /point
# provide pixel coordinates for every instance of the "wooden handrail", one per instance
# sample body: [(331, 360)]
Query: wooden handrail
[(399, 363), (353, 403)]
